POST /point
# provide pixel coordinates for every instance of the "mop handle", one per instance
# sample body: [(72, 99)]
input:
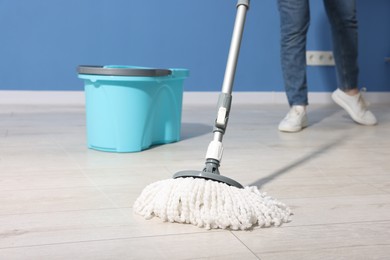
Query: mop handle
[(225, 97), (215, 148), (242, 7)]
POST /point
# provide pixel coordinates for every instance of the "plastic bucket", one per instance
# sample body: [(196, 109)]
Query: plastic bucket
[(129, 109)]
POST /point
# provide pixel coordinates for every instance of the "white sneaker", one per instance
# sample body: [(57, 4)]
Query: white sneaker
[(355, 106), (295, 120)]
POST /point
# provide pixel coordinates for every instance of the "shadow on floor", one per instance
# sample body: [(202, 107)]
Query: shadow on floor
[(188, 131), (191, 130), (318, 114), (323, 149)]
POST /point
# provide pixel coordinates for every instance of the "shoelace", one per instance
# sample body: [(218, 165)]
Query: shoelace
[(294, 113)]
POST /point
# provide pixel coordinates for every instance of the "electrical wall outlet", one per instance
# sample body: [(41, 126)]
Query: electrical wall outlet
[(319, 58)]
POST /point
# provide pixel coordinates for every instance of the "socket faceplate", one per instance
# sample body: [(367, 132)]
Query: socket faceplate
[(319, 58)]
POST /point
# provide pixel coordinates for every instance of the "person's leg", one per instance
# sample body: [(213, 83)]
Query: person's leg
[(344, 24), (294, 24)]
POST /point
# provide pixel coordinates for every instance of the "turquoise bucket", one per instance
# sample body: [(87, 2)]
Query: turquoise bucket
[(129, 109)]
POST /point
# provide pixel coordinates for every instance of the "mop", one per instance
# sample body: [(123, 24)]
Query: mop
[(206, 198)]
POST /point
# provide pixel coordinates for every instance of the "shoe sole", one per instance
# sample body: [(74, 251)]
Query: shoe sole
[(294, 130), (342, 104)]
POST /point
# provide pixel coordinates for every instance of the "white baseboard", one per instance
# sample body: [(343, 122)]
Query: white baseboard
[(275, 98), (42, 97), (189, 98)]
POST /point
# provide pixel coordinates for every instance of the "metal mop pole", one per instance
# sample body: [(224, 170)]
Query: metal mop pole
[(215, 148), (214, 153)]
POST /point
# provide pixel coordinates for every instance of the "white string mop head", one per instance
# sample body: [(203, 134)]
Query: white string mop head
[(210, 204)]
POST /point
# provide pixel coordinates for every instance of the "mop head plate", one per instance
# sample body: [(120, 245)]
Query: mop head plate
[(210, 204)]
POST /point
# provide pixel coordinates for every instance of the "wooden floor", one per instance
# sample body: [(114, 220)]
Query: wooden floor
[(60, 200)]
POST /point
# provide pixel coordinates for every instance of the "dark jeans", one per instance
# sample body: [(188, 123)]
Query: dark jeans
[(294, 24)]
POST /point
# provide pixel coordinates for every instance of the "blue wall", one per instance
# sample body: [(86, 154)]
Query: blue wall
[(43, 41)]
